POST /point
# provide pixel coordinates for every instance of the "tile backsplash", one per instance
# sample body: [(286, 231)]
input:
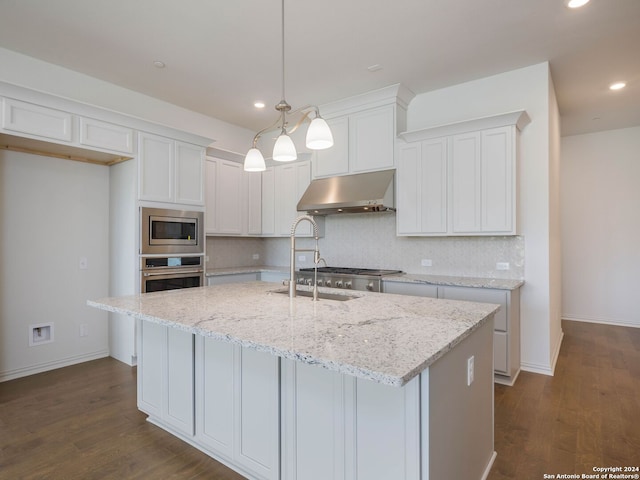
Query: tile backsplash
[(370, 241)]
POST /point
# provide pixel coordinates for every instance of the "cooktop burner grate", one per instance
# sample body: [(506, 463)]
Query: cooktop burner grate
[(352, 271)]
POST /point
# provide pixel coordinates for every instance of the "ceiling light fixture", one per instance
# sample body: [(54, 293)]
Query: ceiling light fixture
[(318, 137), (617, 86), (159, 64), (259, 104), (576, 3)]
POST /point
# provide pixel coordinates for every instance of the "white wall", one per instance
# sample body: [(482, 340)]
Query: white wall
[(45, 77), (52, 212), (527, 89), (601, 226)]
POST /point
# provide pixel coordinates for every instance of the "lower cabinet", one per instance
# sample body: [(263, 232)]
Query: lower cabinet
[(506, 335), (335, 426), (237, 406), (232, 278), (165, 376)]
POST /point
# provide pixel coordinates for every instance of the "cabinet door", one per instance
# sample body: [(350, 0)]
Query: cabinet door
[(152, 341), (188, 174), (215, 395), (501, 352), (95, 133), (253, 182), (422, 188), (465, 171), (155, 168), (257, 403), (230, 197), (482, 295), (371, 139), (179, 410), (268, 202), (211, 178), (290, 183), (32, 119), (498, 180), (334, 160)]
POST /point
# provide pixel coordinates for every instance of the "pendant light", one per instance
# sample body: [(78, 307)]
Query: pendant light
[(318, 136)]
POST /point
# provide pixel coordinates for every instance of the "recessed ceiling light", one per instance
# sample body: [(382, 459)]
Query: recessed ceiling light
[(576, 3), (374, 68), (159, 64), (617, 86), (259, 104)]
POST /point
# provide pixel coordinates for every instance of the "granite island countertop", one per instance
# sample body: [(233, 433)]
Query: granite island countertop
[(382, 337)]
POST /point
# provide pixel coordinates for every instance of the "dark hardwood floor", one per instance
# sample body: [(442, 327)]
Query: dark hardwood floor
[(81, 422), (587, 415)]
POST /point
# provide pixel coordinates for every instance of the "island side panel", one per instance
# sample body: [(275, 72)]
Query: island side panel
[(460, 430)]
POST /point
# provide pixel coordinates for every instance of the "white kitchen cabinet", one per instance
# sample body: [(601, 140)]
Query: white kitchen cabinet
[(36, 120), (169, 171), (165, 376), (422, 188), (106, 136), (282, 187), (363, 141), (341, 427), (334, 160), (233, 278), (476, 195), (238, 400), (225, 197), (253, 182), (506, 336)]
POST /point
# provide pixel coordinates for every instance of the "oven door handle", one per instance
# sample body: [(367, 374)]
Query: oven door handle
[(166, 273)]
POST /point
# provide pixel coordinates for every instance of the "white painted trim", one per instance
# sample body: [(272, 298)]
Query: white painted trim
[(518, 118), (45, 367), (602, 321), (392, 94), (508, 381), (536, 368), (487, 470)]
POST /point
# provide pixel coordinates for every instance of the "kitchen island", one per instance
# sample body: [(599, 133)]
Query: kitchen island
[(373, 387)]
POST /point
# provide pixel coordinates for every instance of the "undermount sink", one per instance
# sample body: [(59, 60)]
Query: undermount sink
[(321, 295)]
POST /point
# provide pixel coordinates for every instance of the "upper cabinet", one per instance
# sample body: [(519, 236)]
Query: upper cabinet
[(22, 117), (460, 179), (233, 205), (364, 131), (170, 171), (282, 187)]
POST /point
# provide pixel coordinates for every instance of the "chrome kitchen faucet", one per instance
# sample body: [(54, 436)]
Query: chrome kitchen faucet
[(316, 256)]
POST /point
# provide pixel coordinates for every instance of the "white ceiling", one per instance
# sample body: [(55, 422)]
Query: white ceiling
[(222, 56)]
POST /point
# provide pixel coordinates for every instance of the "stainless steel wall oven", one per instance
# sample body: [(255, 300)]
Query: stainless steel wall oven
[(170, 273)]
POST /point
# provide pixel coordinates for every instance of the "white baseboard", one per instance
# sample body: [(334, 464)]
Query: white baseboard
[(616, 323), (508, 381), (44, 367), (545, 369), (487, 470)]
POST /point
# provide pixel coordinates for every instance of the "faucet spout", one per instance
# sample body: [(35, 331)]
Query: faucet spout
[(292, 262)]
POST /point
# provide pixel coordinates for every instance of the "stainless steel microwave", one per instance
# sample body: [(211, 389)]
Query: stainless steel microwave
[(171, 232)]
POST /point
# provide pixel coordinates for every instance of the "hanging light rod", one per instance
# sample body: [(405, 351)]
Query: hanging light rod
[(318, 136)]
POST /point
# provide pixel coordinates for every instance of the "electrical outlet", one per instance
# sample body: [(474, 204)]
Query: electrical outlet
[(470, 368), (84, 330), (426, 262), (502, 266), (83, 263), (256, 256), (206, 258), (302, 258)]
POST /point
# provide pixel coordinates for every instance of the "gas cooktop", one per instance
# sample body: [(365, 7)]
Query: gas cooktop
[(352, 271)]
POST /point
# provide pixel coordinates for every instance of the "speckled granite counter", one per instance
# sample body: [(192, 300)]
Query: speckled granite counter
[(450, 280), (477, 282), (382, 337)]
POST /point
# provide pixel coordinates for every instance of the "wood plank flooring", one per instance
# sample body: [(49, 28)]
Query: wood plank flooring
[(81, 422), (587, 415)]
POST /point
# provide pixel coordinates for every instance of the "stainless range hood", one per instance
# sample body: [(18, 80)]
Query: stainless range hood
[(360, 193)]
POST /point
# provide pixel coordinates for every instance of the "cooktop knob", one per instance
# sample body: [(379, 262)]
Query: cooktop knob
[(339, 284), (309, 281), (327, 283), (320, 282), (370, 286), (347, 285)]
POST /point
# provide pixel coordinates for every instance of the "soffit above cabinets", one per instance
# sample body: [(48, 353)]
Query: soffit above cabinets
[(49, 149)]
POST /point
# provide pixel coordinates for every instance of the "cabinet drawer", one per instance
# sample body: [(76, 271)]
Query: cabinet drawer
[(481, 295), (35, 120), (416, 289), (500, 352), (232, 278), (95, 133)]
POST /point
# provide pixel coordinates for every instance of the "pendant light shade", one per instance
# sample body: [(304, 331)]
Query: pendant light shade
[(254, 161), (284, 150), (319, 135)]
